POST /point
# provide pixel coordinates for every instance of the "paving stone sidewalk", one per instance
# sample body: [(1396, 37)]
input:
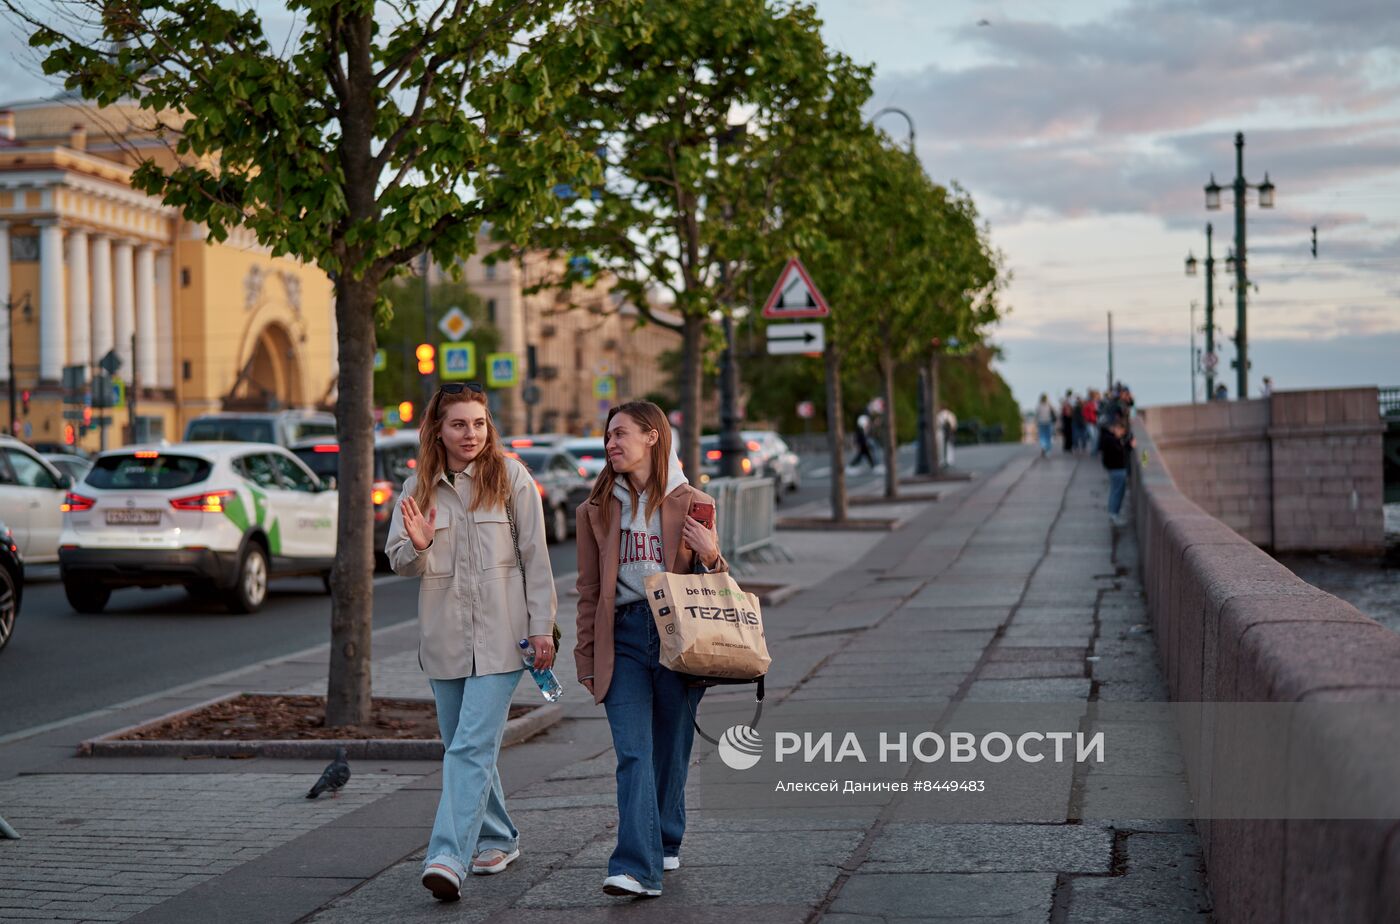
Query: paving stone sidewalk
[(1013, 587)]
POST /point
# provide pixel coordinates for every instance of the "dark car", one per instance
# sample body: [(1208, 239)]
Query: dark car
[(394, 459), (563, 484), (11, 584)]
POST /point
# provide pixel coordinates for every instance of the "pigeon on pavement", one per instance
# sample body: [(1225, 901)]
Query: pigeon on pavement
[(336, 775)]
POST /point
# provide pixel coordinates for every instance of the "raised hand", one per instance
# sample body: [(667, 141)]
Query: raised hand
[(418, 527)]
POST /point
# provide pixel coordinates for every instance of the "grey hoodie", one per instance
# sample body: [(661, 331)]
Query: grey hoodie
[(639, 551)]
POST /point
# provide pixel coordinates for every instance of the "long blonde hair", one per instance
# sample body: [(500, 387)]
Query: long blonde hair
[(491, 484), (649, 417)]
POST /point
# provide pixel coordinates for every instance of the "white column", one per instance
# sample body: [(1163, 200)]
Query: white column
[(124, 301), (146, 316), (79, 300), (165, 320), (4, 301), (102, 338), (53, 331)]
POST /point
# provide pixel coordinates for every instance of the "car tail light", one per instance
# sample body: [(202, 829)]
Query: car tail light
[(326, 447), (522, 444), (746, 465), (585, 458), (714, 455), (583, 472), (753, 445), (412, 463), (75, 503), (208, 502), (539, 487), (381, 491), (147, 454)]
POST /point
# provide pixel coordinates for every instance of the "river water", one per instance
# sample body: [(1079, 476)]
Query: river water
[(1372, 585)]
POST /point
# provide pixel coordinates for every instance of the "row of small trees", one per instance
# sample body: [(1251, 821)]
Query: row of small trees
[(686, 145)]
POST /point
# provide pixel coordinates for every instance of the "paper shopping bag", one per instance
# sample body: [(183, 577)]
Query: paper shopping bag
[(709, 626)]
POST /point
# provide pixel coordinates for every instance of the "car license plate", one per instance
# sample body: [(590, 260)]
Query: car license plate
[(132, 517)]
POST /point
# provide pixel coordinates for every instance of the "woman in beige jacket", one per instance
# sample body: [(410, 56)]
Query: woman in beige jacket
[(638, 522), (453, 529)]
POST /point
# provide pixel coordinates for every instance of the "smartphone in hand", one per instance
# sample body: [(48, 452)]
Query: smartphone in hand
[(704, 514)]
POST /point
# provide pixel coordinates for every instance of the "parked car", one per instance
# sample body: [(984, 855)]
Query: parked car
[(710, 457), (31, 498), (590, 453), (219, 518), (563, 484), (75, 467), (395, 457), (11, 585), (774, 459), (283, 428)]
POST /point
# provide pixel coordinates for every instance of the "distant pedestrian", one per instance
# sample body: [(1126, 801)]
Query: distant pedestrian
[(1116, 447), (1268, 388), (1221, 393), (639, 520), (1081, 435), (1045, 423), (1067, 421), (862, 435), (453, 528), (948, 428), (1091, 422)]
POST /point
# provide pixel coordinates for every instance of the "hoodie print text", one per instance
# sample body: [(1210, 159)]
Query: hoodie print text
[(638, 547)]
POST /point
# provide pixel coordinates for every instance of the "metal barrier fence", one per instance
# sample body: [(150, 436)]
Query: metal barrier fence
[(745, 510), (1389, 401)]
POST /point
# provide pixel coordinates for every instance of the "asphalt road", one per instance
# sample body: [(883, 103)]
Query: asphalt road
[(61, 664)]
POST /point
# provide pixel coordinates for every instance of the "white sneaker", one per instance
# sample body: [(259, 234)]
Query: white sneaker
[(498, 861), (444, 883), (670, 863), (623, 884)]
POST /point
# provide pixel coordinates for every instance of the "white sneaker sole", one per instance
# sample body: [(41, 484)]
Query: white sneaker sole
[(670, 863), (499, 867), (627, 887)]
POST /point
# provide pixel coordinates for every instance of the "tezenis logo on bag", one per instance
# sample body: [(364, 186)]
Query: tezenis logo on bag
[(723, 614)]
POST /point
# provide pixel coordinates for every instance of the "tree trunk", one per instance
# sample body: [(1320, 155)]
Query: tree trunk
[(352, 598), (886, 364), (836, 433), (692, 369)]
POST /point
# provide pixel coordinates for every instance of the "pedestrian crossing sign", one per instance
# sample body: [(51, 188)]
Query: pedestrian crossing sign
[(502, 370), (458, 361)]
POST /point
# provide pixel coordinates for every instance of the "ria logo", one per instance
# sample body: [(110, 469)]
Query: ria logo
[(740, 747)]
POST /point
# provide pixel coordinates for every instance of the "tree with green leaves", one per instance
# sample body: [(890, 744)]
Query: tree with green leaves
[(372, 134), (700, 129)]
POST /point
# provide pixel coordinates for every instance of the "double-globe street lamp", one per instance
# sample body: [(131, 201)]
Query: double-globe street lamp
[(1266, 201), (1191, 264)]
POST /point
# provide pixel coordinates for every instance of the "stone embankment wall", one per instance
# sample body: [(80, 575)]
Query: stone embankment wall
[(1299, 471), (1233, 625)]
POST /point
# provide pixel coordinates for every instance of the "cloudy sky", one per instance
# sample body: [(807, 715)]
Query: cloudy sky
[(1086, 129)]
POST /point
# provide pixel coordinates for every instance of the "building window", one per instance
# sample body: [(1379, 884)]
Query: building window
[(490, 272), (491, 310), (24, 248), (187, 370), (184, 277)]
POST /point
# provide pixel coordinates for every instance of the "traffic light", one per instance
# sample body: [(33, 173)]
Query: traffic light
[(425, 353), (87, 415), (24, 401), (406, 410), (69, 435)]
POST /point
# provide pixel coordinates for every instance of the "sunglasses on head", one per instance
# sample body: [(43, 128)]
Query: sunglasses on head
[(456, 388)]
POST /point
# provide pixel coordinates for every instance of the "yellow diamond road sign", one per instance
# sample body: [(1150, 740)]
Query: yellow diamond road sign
[(455, 324)]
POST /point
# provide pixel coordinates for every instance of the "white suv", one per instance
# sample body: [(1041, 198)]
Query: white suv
[(219, 518)]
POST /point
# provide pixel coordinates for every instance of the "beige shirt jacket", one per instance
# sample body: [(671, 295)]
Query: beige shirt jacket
[(472, 607), (599, 536)]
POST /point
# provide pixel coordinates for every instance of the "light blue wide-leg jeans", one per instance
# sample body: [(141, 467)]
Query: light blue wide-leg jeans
[(471, 815)]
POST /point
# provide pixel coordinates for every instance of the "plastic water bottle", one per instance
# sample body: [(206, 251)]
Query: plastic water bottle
[(549, 684)]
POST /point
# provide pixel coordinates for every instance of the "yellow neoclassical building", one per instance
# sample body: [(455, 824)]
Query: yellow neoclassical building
[(89, 265)]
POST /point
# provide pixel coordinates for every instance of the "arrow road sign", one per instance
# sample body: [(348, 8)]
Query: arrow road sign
[(796, 338)]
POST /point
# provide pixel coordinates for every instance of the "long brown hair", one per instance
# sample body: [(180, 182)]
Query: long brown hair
[(649, 417), (490, 483)]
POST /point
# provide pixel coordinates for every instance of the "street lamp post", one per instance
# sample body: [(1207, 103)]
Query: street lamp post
[(1210, 308), (926, 462), (1266, 201), (10, 305)]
